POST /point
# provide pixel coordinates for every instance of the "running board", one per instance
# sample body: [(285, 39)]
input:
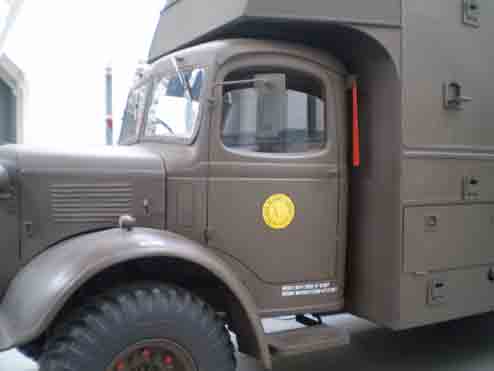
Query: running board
[(306, 340)]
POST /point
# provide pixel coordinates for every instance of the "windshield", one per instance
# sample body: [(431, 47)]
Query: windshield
[(174, 110), (133, 116)]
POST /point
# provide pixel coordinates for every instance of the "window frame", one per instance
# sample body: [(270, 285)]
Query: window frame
[(280, 64), (197, 126), (147, 85), (281, 140), (168, 5)]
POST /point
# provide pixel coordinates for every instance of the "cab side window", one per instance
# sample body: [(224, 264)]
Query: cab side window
[(301, 129)]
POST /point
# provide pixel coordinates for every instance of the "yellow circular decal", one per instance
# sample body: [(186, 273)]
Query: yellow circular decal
[(278, 211)]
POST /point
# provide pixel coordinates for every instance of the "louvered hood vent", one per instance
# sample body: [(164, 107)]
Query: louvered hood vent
[(90, 203)]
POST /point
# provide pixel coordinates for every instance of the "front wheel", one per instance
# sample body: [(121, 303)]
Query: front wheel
[(150, 327)]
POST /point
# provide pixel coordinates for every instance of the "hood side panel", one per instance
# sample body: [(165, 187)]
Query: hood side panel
[(67, 193)]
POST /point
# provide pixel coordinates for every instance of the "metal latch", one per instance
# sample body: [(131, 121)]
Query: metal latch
[(471, 188), (453, 96), (431, 223), (437, 292), (490, 275)]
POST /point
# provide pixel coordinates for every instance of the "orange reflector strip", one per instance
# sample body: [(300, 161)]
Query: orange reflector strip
[(355, 126)]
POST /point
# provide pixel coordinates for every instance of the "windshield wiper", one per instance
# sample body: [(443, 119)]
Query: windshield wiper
[(164, 124)]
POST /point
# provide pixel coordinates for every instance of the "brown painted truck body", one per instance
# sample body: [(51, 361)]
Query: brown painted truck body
[(404, 240)]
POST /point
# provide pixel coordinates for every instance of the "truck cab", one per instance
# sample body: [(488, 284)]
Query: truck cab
[(253, 139)]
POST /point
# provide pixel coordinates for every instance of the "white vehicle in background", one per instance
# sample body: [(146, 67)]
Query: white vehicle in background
[(12, 82)]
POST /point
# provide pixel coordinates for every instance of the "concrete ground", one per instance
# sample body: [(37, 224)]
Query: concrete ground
[(464, 345)]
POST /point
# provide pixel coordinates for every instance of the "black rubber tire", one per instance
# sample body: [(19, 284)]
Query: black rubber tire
[(31, 351), (99, 331)]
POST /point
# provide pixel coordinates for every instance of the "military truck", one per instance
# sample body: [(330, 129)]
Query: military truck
[(277, 158)]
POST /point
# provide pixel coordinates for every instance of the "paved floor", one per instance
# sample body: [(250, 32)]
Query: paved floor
[(13, 361), (465, 345)]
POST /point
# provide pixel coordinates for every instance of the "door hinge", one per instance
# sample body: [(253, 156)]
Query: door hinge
[(6, 196), (208, 235)]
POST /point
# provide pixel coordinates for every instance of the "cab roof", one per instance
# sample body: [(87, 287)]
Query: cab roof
[(185, 23)]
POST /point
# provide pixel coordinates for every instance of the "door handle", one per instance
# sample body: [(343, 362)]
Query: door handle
[(453, 96)]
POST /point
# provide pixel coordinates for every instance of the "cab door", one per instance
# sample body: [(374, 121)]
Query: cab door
[(273, 194)]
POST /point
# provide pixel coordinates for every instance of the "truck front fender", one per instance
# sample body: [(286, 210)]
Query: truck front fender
[(43, 287)]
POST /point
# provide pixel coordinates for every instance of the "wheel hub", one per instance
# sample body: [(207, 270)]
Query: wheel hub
[(153, 355)]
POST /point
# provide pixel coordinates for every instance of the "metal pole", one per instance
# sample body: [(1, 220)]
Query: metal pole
[(109, 106), (14, 7)]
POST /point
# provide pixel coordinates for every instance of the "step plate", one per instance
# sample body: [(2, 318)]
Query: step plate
[(307, 340)]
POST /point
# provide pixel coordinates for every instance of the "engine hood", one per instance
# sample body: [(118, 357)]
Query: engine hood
[(64, 192), (98, 158)]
